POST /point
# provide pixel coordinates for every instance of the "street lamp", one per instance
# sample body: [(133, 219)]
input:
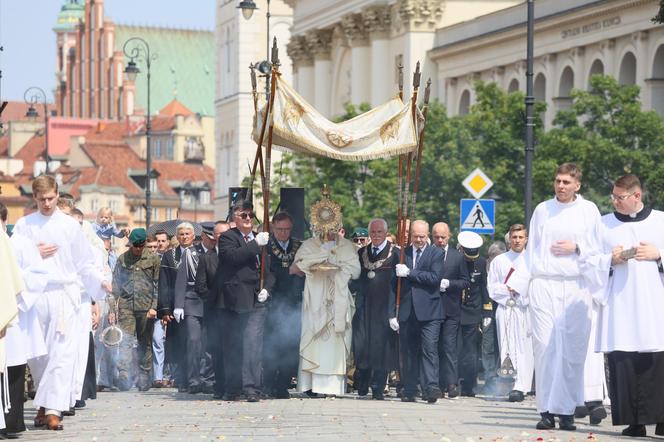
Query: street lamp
[(530, 117), (32, 96), (195, 191), (141, 49), (265, 67)]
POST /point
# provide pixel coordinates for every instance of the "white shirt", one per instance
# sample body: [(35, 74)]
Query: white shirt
[(380, 247)]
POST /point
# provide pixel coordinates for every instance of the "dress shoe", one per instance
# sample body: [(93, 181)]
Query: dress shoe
[(597, 413), (53, 422), (452, 391), (311, 394), (515, 396), (659, 429), (378, 396), (466, 393), (580, 411), (40, 419), (405, 398), (281, 394), (195, 389), (230, 397), (433, 394), (566, 422), (547, 422), (70, 412), (158, 384), (253, 398), (5, 435), (79, 404), (363, 391), (635, 430)]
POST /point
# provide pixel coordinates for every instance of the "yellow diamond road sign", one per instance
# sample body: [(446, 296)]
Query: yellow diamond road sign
[(477, 183)]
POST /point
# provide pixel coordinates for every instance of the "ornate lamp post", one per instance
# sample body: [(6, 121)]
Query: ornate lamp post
[(264, 67), (530, 118), (141, 50), (32, 96)]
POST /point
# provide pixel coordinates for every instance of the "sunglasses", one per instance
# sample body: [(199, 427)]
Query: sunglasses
[(245, 215)]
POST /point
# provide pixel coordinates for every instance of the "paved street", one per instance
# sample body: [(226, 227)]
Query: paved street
[(167, 415)]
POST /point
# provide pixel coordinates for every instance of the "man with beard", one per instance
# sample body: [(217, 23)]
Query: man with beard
[(374, 342), (284, 310)]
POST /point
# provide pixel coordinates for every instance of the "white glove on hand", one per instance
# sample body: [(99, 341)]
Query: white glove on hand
[(262, 238), (262, 296), (444, 284), (486, 322), (402, 270), (394, 324), (178, 314)]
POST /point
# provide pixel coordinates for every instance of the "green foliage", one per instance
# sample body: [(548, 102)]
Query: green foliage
[(659, 18), (605, 132)]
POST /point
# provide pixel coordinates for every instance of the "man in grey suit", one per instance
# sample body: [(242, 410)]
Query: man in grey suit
[(420, 315)]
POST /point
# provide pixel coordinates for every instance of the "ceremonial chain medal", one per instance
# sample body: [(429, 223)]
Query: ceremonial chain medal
[(286, 258), (371, 266)]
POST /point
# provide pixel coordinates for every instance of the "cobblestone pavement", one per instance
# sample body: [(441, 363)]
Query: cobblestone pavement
[(167, 415)]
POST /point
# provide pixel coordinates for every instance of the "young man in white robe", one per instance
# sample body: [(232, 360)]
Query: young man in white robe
[(512, 314), (563, 233), (69, 260), (329, 261), (630, 327)]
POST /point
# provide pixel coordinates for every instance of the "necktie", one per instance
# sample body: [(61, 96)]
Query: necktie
[(444, 254), (246, 238), (375, 251), (418, 253)]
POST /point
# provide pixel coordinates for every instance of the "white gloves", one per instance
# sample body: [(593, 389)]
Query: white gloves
[(444, 284), (262, 296), (178, 314), (486, 322), (402, 270), (394, 324), (262, 238)]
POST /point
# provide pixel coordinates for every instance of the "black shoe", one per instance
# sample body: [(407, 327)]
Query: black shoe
[(4, 435), (281, 394), (231, 397), (515, 396), (433, 394), (195, 389), (311, 394), (70, 412), (253, 398), (377, 396), (405, 398), (597, 413), (580, 412), (452, 391), (79, 404), (547, 422), (465, 393), (633, 430), (566, 422), (363, 391), (183, 390), (218, 396), (659, 429)]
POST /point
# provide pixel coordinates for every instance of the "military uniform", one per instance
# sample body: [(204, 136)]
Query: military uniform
[(135, 281)]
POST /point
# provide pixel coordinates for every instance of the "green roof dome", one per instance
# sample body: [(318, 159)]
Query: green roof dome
[(70, 13)]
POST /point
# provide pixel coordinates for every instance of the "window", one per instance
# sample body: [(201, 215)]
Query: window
[(156, 148), (94, 205), (169, 213), (153, 185), (113, 205), (204, 197), (169, 148), (155, 215)]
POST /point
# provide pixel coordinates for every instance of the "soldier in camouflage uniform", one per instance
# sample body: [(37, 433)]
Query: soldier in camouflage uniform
[(135, 280)]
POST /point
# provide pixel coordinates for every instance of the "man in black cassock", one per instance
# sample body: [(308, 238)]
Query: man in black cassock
[(283, 324), (374, 342)]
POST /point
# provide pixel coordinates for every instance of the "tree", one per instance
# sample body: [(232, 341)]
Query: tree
[(659, 18)]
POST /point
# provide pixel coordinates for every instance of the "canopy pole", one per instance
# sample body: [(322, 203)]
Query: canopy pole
[(402, 158), (420, 149), (409, 161), (268, 156)]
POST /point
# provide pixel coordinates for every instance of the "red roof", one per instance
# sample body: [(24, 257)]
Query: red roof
[(16, 110), (32, 151), (4, 146), (175, 108)]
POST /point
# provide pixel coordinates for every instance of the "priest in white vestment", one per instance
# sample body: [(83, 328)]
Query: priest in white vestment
[(329, 261), (563, 234), (512, 315), (630, 326), (68, 260)]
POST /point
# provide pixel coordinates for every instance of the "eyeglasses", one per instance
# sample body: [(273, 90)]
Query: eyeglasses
[(620, 197), (245, 215), (359, 240)]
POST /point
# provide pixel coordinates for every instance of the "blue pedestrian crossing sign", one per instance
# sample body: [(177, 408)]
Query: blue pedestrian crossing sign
[(478, 216)]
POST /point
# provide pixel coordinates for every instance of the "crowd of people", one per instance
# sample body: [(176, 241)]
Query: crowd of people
[(244, 314)]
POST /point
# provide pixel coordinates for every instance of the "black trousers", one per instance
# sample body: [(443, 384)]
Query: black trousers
[(469, 345), (214, 333), (243, 350), (14, 420), (368, 377), (90, 380), (449, 352), (281, 349), (194, 349), (636, 387), (490, 352), (419, 349)]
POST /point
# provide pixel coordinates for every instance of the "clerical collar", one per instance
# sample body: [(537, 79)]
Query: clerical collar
[(634, 217)]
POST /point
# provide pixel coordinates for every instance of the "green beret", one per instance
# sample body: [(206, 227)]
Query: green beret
[(138, 236), (360, 232)]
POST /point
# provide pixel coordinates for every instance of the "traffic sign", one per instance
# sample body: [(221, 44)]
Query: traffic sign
[(478, 216), (477, 183)]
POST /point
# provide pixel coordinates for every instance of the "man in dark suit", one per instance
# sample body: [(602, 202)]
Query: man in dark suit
[(209, 288), (170, 311), (284, 317), (472, 304), (243, 314), (419, 315), (454, 280)]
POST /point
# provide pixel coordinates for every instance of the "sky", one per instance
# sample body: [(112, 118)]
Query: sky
[(26, 34)]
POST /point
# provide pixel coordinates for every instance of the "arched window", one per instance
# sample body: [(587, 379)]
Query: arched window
[(627, 73), (566, 82), (540, 87), (514, 86), (597, 68), (464, 103)]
